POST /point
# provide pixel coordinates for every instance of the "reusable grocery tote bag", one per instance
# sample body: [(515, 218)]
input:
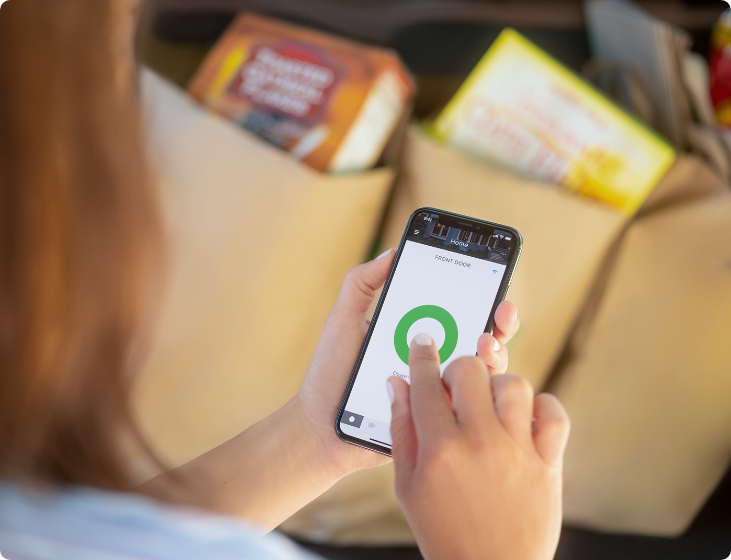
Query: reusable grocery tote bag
[(565, 239), (648, 380), (258, 246)]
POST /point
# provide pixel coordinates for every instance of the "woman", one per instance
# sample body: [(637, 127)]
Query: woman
[(81, 262)]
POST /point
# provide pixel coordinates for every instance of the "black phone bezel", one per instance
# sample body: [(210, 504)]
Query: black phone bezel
[(502, 293)]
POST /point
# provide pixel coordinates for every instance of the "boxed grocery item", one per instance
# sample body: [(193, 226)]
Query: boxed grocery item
[(330, 102), (523, 108)]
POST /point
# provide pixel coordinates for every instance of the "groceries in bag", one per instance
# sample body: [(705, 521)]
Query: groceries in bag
[(330, 102), (523, 108), (721, 69)]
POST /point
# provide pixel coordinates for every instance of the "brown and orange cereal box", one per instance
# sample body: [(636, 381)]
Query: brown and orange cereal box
[(330, 102)]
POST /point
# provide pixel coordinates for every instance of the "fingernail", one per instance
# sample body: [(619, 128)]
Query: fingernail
[(496, 346), (383, 254), (423, 339), (389, 390)]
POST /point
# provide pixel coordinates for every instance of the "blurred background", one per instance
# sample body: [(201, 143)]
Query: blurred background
[(624, 287)]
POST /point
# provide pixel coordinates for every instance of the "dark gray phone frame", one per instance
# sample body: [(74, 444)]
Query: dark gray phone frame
[(502, 292)]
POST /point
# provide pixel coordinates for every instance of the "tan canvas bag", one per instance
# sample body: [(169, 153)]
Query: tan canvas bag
[(259, 245), (565, 239), (647, 378)]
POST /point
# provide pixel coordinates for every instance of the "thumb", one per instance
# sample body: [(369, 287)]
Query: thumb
[(361, 282), (403, 434)]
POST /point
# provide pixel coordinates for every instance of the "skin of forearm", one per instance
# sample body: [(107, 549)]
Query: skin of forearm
[(263, 475)]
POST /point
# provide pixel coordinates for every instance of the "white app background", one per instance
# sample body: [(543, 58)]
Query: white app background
[(423, 278)]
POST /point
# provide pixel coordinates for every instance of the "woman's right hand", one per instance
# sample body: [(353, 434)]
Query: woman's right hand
[(478, 460)]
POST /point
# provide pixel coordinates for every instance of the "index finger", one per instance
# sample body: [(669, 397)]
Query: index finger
[(430, 406)]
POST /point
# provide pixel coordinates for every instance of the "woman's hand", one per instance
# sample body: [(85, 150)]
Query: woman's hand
[(333, 361), (337, 352), (473, 476), (278, 465)]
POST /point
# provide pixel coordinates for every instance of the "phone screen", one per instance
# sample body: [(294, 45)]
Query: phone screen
[(450, 275)]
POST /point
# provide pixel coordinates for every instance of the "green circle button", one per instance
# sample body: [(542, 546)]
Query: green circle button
[(422, 312)]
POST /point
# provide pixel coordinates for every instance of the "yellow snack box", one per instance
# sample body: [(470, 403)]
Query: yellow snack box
[(523, 108), (330, 102)]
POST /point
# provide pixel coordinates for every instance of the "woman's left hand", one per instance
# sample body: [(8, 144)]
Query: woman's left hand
[(329, 371)]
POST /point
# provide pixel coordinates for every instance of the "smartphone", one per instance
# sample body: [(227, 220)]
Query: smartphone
[(448, 276)]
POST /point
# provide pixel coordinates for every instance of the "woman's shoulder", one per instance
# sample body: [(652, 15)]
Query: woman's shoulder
[(82, 523)]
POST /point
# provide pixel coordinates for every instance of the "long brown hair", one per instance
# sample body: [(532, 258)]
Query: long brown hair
[(79, 242)]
